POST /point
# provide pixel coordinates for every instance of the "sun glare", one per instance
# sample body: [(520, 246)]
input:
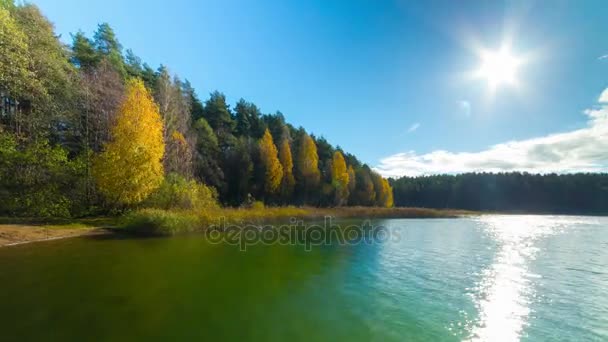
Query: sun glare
[(498, 68)]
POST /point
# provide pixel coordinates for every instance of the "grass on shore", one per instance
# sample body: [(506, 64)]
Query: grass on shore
[(168, 222)]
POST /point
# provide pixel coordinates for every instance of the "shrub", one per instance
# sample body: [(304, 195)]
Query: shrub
[(177, 192), (257, 205), (36, 179), (160, 222)]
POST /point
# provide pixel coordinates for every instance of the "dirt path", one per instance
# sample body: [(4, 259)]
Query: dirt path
[(14, 234)]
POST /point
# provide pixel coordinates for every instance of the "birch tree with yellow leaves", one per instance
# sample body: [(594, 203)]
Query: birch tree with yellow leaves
[(130, 166), (339, 179), (286, 159), (273, 171)]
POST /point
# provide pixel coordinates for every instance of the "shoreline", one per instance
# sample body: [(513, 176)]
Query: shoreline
[(20, 234)]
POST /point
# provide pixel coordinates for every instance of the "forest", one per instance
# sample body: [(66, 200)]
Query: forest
[(581, 193), (88, 129)]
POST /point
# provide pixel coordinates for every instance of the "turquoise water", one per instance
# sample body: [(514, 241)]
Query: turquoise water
[(494, 278)]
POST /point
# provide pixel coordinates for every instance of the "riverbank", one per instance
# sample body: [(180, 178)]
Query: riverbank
[(15, 231), (16, 234)]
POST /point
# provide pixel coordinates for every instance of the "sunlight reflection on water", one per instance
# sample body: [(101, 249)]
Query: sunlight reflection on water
[(506, 290)]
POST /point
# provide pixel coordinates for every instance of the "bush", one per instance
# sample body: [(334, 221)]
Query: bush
[(160, 222), (37, 179), (257, 205), (177, 192)]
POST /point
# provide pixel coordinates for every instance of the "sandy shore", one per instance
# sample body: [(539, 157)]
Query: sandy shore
[(14, 234)]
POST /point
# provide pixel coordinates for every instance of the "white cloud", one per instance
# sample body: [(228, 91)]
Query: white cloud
[(604, 96), (413, 127), (581, 150), (465, 107), (603, 57)]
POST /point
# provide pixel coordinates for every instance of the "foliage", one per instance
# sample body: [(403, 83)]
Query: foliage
[(307, 165), (177, 192), (273, 171), (37, 179), (579, 193), (14, 57), (288, 182), (130, 166), (82, 100), (339, 179), (207, 166)]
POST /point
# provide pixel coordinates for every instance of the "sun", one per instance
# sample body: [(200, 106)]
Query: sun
[(498, 68)]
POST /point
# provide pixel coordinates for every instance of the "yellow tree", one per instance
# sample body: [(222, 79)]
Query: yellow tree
[(308, 164), (273, 171), (286, 159), (339, 178), (388, 190), (130, 166)]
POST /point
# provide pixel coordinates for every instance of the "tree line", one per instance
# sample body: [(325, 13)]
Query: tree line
[(580, 193), (88, 127)]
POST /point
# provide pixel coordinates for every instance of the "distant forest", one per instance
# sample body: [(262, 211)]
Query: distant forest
[(89, 127), (580, 193)]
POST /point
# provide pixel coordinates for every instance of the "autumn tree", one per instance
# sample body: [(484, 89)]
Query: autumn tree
[(130, 167), (288, 182), (273, 171), (383, 191), (339, 179), (307, 166)]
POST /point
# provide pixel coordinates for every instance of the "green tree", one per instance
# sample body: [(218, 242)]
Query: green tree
[(84, 55), (364, 194), (307, 167), (108, 47), (207, 155), (217, 113)]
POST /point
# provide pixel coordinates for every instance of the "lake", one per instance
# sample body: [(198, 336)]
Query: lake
[(489, 278)]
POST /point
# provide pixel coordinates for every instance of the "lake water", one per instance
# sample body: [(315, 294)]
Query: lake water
[(492, 278)]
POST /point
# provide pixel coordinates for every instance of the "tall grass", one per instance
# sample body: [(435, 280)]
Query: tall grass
[(169, 222)]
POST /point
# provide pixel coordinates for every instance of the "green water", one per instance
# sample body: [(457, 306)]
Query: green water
[(496, 278)]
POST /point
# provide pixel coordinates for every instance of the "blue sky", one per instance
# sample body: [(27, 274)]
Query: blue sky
[(388, 80)]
